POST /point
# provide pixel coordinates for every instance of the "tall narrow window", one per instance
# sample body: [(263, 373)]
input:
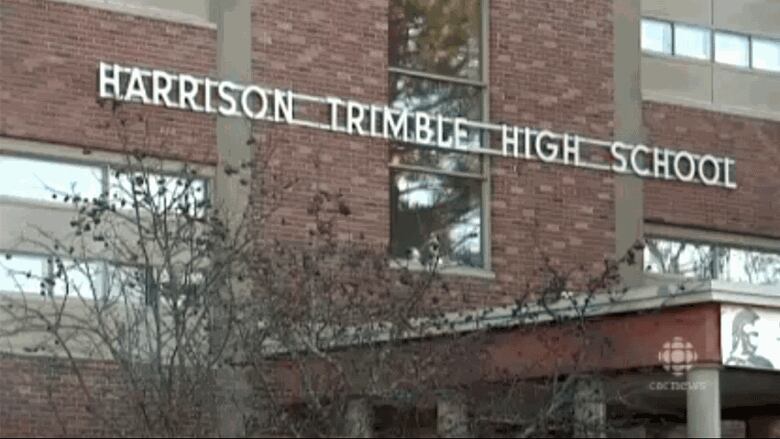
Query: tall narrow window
[(436, 66)]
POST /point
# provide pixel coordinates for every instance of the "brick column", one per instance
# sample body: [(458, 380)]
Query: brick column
[(452, 416), (359, 418), (590, 408)]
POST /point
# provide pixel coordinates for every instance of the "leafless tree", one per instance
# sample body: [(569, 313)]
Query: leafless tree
[(152, 280), (144, 279)]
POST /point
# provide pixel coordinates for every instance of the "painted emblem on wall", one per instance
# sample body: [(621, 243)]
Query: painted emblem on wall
[(750, 337)]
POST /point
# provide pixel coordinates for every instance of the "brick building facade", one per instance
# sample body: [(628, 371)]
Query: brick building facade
[(565, 66)]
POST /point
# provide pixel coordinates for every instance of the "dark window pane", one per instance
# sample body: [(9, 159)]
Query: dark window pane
[(437, 213), (436, 36)]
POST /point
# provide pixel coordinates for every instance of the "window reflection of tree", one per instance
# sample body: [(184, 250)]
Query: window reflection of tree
[(758, 268), (434, 207), (435, 97), (439, 98), (435, 59), (436, 36), (708, 261), (452, 162), (764, 268), (683, 258)]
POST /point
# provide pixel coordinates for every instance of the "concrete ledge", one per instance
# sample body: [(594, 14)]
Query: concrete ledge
[(477, 273), (76, 154), (144, 11), (570, 306), (639, 299), (718, 108)]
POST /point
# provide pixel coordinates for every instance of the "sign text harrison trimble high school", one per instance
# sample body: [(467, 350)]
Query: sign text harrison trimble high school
[(187, 92)]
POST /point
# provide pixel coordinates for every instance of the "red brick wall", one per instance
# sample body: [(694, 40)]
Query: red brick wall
[(326, 48), (753, 207), (550, 66), (40, 397), (49, 54), (45, 397), (613, 342)]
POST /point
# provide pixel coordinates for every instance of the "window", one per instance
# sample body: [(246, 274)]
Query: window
[(128, 282), (691, 41), (437, 36), (766, 54), (753, 267), (23, 273), (436, 214), (680, 258), (48, 276), (79, 279), (38, 180), (55, 182), (164, 194), (657, 36), (732, 49), (436, 67), (82, 279), (702, 260), (696, 42)]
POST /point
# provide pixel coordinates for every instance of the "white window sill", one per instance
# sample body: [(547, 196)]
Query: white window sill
[(473, 272)]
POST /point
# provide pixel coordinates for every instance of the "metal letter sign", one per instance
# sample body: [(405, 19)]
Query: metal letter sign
[(226, 98)]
